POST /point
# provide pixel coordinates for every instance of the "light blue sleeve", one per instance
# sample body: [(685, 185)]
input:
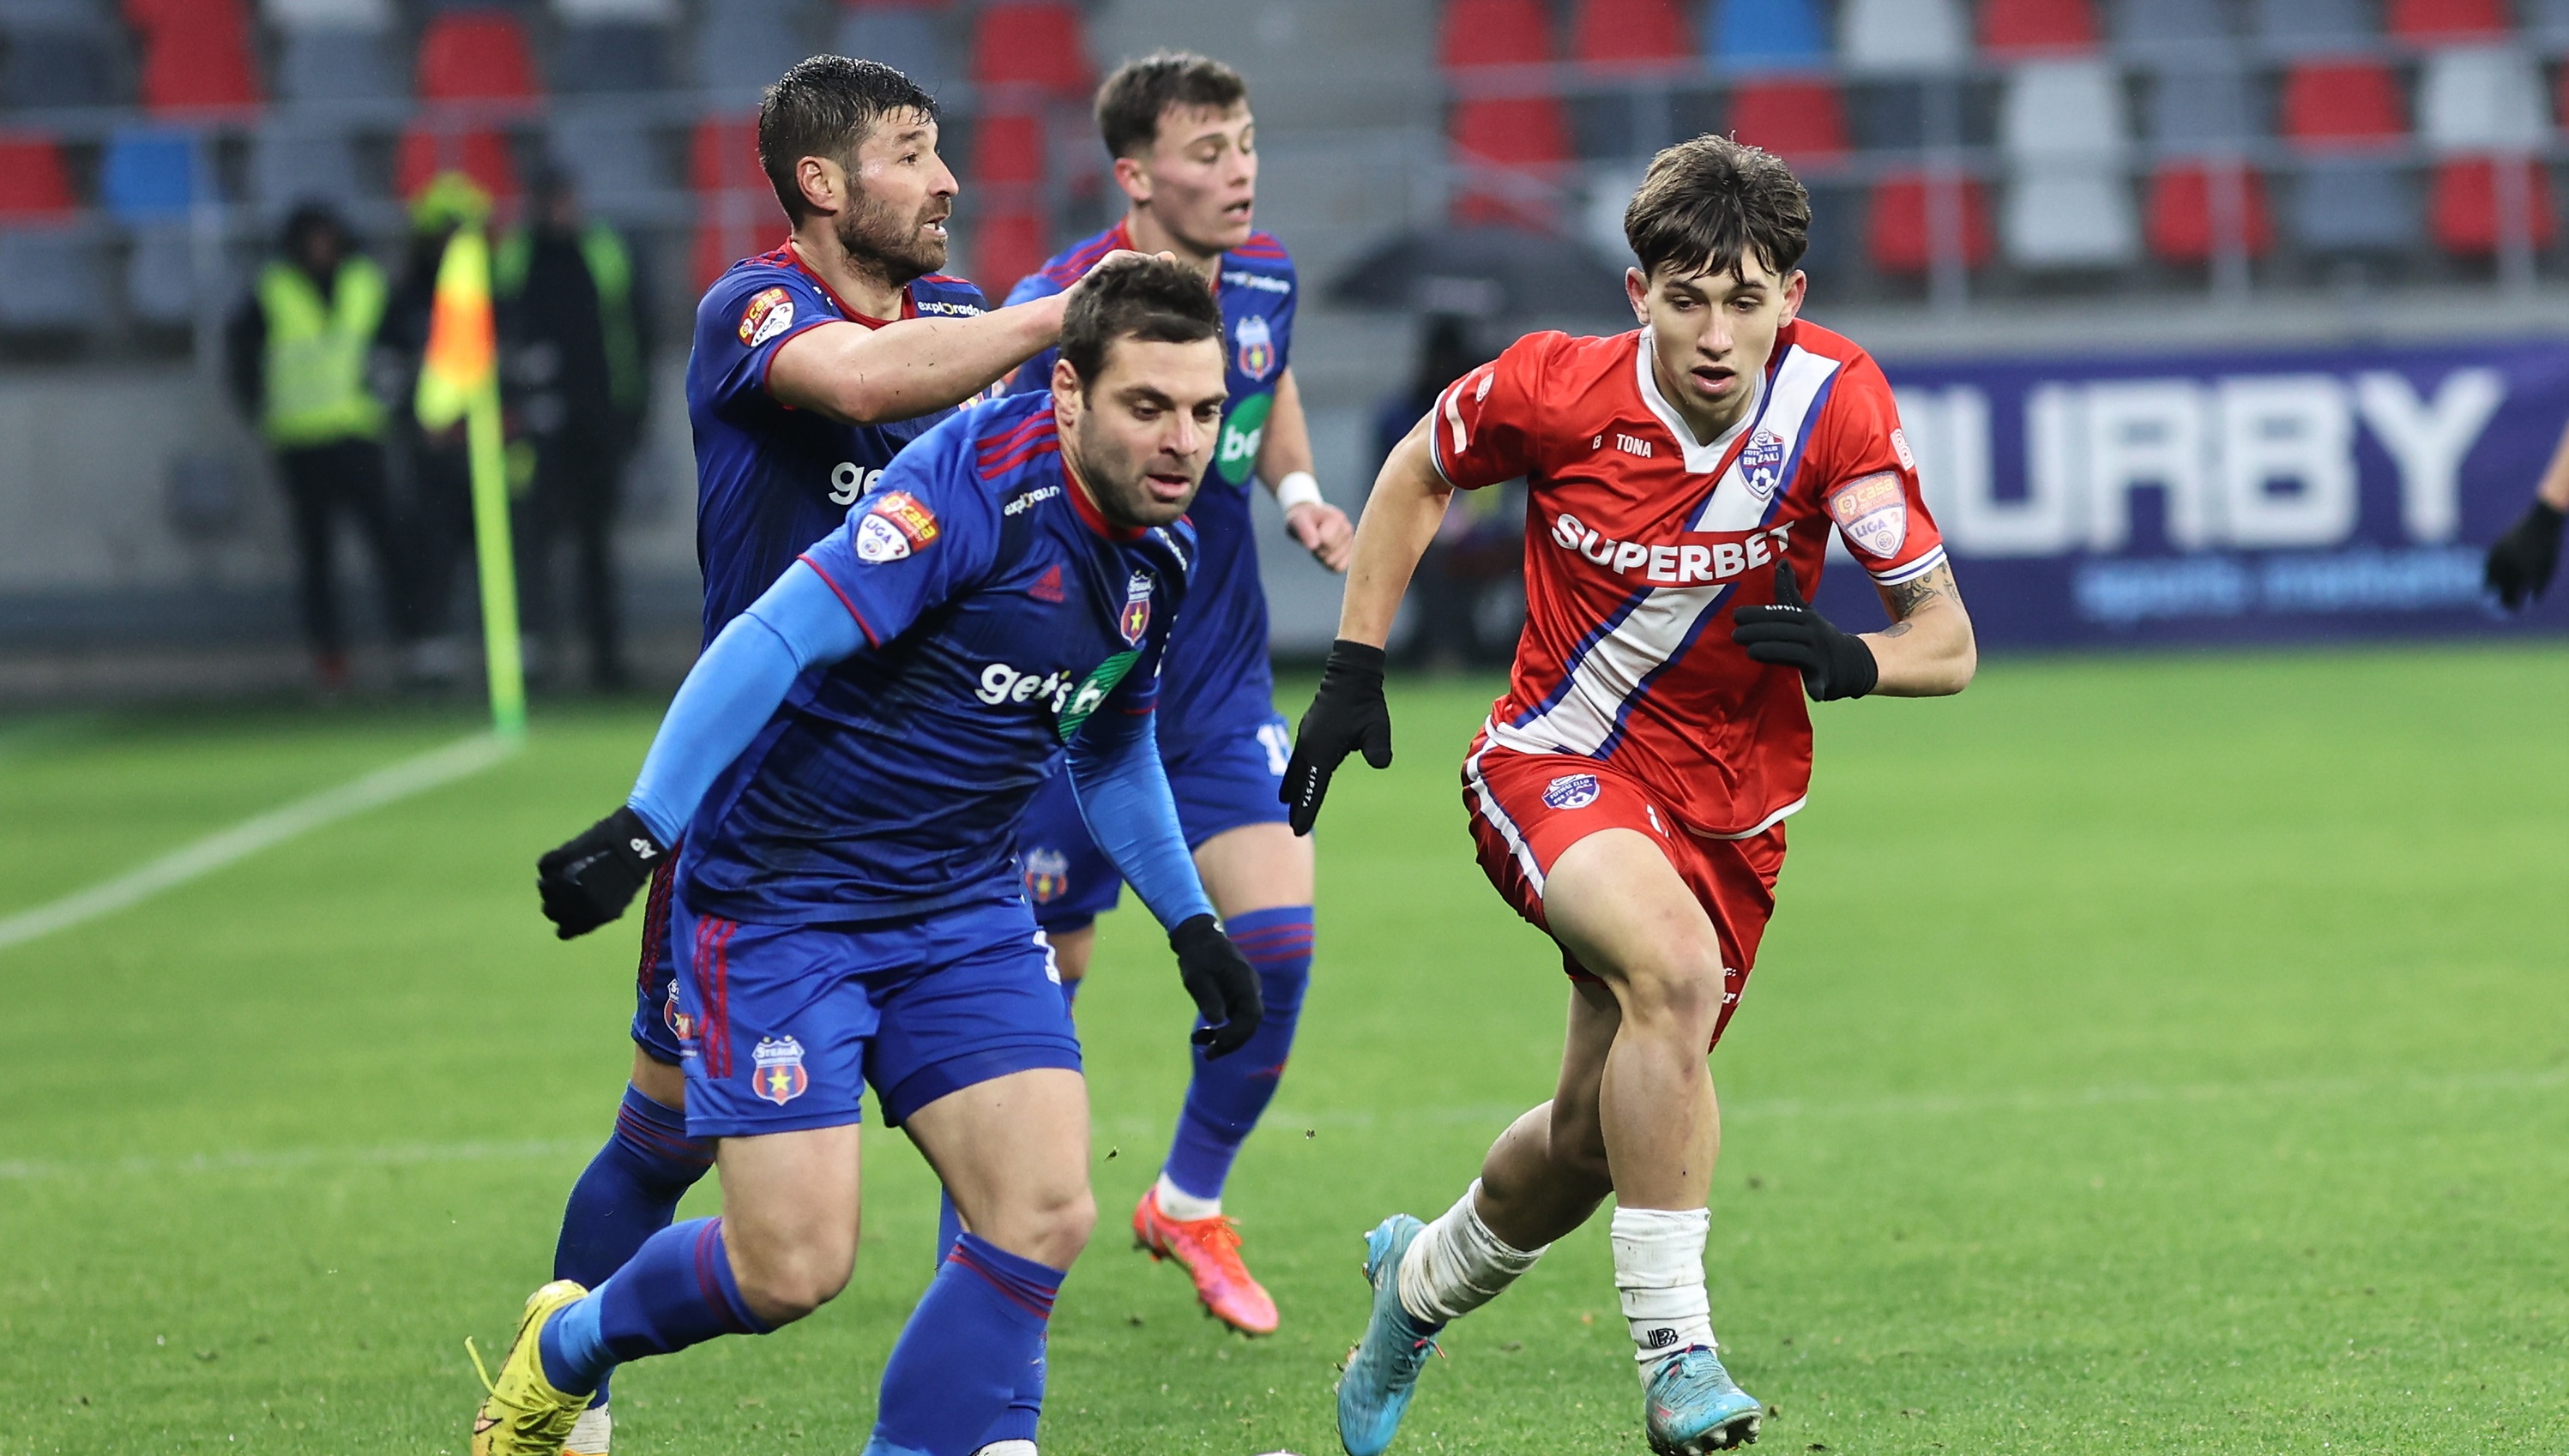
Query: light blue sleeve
[(1124, 796), (735, 688)]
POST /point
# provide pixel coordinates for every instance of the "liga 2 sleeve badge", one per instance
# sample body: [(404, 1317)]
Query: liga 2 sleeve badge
[(895, 526), (770, 313), (1873, 514)]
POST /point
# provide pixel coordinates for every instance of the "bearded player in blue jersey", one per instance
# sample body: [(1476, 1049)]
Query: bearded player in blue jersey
[(813, 366), (1184, 144), (846, 767)]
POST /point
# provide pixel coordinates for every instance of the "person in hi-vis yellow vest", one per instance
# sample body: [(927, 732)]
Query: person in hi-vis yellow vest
[(299, 349)]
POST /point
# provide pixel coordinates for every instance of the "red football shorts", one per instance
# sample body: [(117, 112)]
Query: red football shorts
[(1528, 808)]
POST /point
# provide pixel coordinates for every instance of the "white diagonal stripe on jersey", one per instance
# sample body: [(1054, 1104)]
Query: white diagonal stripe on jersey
[(1487, 805), (1587, 710)]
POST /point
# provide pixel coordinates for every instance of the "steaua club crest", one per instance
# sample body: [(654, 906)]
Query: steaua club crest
[(1761, 462), (682, 1025), (1135, 616), (1048, 876), (1255, 346), (779, 1077)]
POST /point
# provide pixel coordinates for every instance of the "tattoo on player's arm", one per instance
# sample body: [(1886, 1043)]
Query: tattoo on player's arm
[(1907, 598)]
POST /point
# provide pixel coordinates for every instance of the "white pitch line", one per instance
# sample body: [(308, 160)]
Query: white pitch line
[(399, 781)]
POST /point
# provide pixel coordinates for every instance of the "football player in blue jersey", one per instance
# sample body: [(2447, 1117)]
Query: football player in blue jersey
[(1185, 147), (812, 366), (846, 767)]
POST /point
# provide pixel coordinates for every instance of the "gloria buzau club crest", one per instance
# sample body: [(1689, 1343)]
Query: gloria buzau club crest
[(778, 1074), (1873, 513), (1253, 346), (1135, 619), (1761, 462)]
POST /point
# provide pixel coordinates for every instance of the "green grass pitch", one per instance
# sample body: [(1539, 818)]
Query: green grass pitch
[(2168, 1054)]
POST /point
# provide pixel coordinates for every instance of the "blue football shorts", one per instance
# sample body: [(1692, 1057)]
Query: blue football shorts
[(655, 979), (1220, 781), (782, 1026)]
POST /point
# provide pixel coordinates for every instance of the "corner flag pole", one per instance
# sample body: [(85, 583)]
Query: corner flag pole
[(460, 379)]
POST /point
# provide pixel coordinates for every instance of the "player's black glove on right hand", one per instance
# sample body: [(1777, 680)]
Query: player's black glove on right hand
[(1834, 664), (1223, 983), (1347, 714), (591, 880), (2520, 564)]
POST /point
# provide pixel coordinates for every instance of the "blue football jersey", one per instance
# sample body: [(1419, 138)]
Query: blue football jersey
[(999, 611), (1218, 683), (771, 479)]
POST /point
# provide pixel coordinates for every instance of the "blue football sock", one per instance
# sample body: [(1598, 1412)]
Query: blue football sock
[(628, 1192), (965, 1349), (1226, 1096), (1026, 1409), (675, 1292)]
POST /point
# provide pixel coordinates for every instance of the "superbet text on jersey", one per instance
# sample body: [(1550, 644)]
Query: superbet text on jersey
[(1639, 543)]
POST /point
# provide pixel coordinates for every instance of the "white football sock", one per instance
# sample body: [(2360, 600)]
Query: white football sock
[(1183, 1205), (1456, 1264), (1659, 1271)]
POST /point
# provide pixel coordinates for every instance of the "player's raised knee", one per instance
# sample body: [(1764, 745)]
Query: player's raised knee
[(1676, 983), (1049, 1227), (784, 1282)]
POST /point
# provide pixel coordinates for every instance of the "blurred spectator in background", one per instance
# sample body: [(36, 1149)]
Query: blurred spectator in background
[(2520, 563), (1477, 548), (573, 356), (297, 350), (440, 515)]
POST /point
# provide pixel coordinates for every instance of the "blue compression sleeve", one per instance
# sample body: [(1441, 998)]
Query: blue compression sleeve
[(735, 688), (1124, 796)]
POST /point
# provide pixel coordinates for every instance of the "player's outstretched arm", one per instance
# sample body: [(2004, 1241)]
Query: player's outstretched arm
[(728, 697), (916, 366), (1349, 713), (1123, 794)]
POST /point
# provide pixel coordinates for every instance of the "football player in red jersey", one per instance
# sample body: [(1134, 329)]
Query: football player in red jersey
[(1629, 792)]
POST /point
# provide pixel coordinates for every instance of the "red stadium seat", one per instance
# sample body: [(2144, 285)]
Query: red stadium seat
[(1010, 243), (2447, 20), (2016, 27), (479, 153), (2342, 102), (1897, 237), (1525, 136), (1009, 150), (2180, 214), (1796, 119), (736, 210), (475, 55), (1493, 33), (196, 58), (149, 15), (34, 184), (1038, 44), (2464, 211), (1624, 33)]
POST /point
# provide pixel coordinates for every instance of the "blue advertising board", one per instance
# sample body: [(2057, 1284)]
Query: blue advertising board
[(2268, 497)]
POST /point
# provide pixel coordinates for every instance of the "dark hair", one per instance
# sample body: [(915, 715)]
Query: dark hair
[(1154, 300), (1130, 103), (1705, 203), (823, 106), (311, 217)]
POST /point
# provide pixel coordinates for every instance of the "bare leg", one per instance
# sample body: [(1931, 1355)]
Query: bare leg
[(1547, 1171), (1013, 1153), (790, 1218)]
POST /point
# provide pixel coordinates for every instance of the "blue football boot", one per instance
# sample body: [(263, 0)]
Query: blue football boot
[(1382, 1373), (1691, 1406)]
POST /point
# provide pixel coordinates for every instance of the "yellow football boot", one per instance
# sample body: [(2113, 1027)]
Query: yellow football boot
[(525, 1415)]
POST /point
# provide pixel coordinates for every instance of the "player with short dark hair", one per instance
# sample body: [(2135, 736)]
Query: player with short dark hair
[(1184, 144), (846, 765), (813, 366), (1629, 792)]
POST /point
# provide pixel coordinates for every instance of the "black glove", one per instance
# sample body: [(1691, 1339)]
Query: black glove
[(2520, 564), (1346, 714), (591, 880), (1834, 664), (1223, 983)]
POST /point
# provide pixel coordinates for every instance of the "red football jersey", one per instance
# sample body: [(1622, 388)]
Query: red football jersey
[(1640, 542)]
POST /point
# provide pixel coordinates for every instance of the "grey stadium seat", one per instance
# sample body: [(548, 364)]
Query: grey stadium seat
[(63, 60), (2209, 104), (744, 45), (288, 165), (2355, 205), (910, 40), (613, 162), (2311, 21), (610, 56), (336, 63), (50, 282), (160, 277)]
